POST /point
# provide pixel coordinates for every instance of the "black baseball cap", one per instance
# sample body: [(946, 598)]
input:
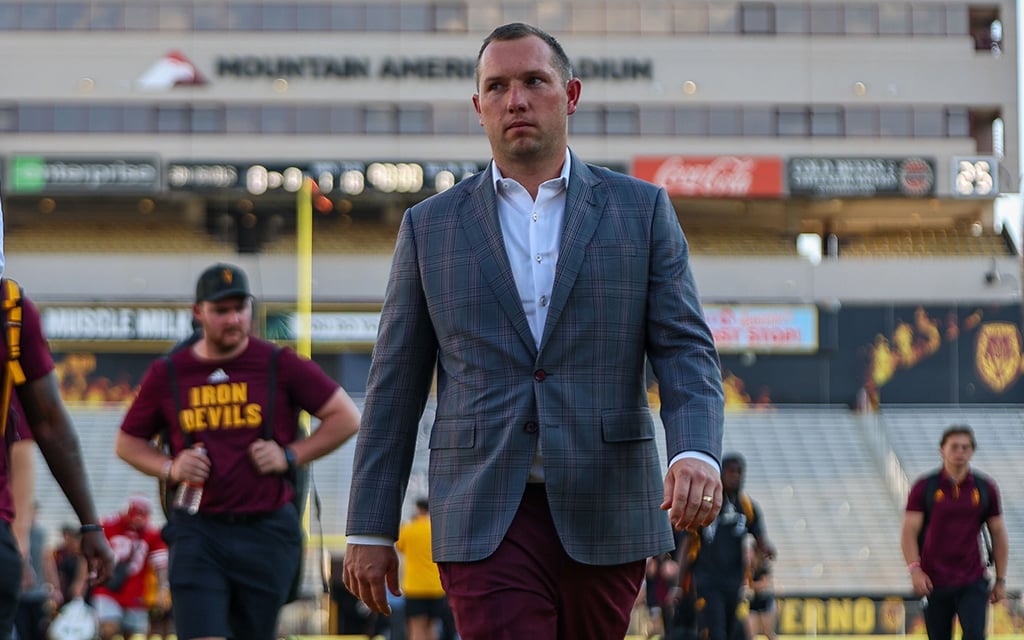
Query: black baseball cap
[(222, 281)]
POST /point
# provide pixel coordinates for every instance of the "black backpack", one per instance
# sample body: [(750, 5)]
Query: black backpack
[(981, 483)]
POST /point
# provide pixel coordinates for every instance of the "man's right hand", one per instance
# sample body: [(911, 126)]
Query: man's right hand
[(99, 556), (922, 583), (368, 569)]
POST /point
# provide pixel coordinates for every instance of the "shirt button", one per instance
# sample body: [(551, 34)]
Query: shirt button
[(530, 427), (539, 375), (543, 301), (535, 217), (538, 257)]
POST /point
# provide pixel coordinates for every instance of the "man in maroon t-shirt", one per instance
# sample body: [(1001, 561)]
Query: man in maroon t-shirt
[(947, 567), (233, 561), (51, 427)]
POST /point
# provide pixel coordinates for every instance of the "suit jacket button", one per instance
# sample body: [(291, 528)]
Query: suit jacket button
[(539, 375), (531, 427)]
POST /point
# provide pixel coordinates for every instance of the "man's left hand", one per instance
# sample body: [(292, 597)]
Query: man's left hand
[(268, 457), (693, 494), (99, 556)]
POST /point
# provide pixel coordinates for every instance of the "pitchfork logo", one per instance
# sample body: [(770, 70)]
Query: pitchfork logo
[(172, 70)]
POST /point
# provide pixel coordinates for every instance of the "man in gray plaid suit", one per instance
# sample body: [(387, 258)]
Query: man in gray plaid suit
[(538, 288)]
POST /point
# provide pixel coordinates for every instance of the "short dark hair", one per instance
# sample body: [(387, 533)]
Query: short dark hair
[(518, 30), (958, 430), (423, 504), (736, 458)]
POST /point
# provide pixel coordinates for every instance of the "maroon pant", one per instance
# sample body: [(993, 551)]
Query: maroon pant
[(531, 589)]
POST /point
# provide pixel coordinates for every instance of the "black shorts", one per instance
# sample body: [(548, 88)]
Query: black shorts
[(231, 578), (10, 578), (433, 608)]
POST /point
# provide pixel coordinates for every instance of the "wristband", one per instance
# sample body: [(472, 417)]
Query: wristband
[(165, 474), (912, 566), (89, 528), (289, 457), (1000, 580)]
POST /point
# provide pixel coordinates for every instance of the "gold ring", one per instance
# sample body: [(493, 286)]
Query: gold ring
[(708, 498)]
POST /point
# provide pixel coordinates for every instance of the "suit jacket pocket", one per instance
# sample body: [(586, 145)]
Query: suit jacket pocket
[(453, 433), (625, 425)]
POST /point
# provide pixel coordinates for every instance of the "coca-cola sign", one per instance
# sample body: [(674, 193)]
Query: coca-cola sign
[(713, 177)]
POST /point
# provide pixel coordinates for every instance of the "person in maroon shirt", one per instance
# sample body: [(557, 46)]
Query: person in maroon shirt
[(51, 427), (232, 562), (947, 568)]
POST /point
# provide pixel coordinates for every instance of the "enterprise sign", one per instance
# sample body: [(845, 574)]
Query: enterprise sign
[(320, 67), (37, 174)]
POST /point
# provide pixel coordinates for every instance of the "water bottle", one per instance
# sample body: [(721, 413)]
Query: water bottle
[(190, 494)]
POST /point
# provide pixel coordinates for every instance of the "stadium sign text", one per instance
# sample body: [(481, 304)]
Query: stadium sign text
[(36, 174), (317, 67), (116, 323)]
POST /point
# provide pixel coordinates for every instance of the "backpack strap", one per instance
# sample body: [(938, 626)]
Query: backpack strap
[(13, 374), (268, 416)]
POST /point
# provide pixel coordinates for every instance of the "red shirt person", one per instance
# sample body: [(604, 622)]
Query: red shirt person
[(136, 544)]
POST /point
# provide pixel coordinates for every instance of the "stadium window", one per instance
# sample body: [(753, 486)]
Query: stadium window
[(722, 20), (555, 16), (861, 20), (792, 121), (757, 18), (655, 19), (35, 118), (105, 119), (621, 121), (280, 17), (348, 17), (792, 19), (312, 17), (958, 122), (657, 121), (692, 121), (210, 17), (589, 20), (173, 118), (241, 119), (245, 16), (175, 16), (416, 17), (981, 21), (208, 119), (451, 18), (139, 119), (826, 20), (483, 18), (277, 119), (8, 118), (893, 19), (141, 17), (894, 122), (692, 19), (383, 17), (381, 120), (957, 22), (759, 121), (312, 120), (587, 121), (724, 121), (516, 12), (929, 122), (38, 17), (455, 120), (414, 119), (826, 121), (345, 119), (623, 19), (861, 122), (928, 20), (107, 16), (71, 16), (9, 17)]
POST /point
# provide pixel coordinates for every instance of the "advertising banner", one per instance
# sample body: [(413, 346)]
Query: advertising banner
[(40, 174), (740, 328), (861, 177), (714, 176)]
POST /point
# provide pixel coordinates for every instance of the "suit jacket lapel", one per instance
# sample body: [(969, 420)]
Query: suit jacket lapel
[(479, 218), (584, 205)]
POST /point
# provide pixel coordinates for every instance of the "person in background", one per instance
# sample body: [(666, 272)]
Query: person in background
[(40, 597), (945, 512), (716, 555), (537, 290), (230, 405), (72, 571), (426, 608), (122, 609), (764, 612), (51, 428)]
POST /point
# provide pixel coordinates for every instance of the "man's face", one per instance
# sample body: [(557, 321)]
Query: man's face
[(957, 450), (138, 518), (522, 101), (226, 323), (732, 477)]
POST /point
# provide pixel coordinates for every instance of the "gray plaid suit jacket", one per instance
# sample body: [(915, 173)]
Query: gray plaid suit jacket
[(623, 290)]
